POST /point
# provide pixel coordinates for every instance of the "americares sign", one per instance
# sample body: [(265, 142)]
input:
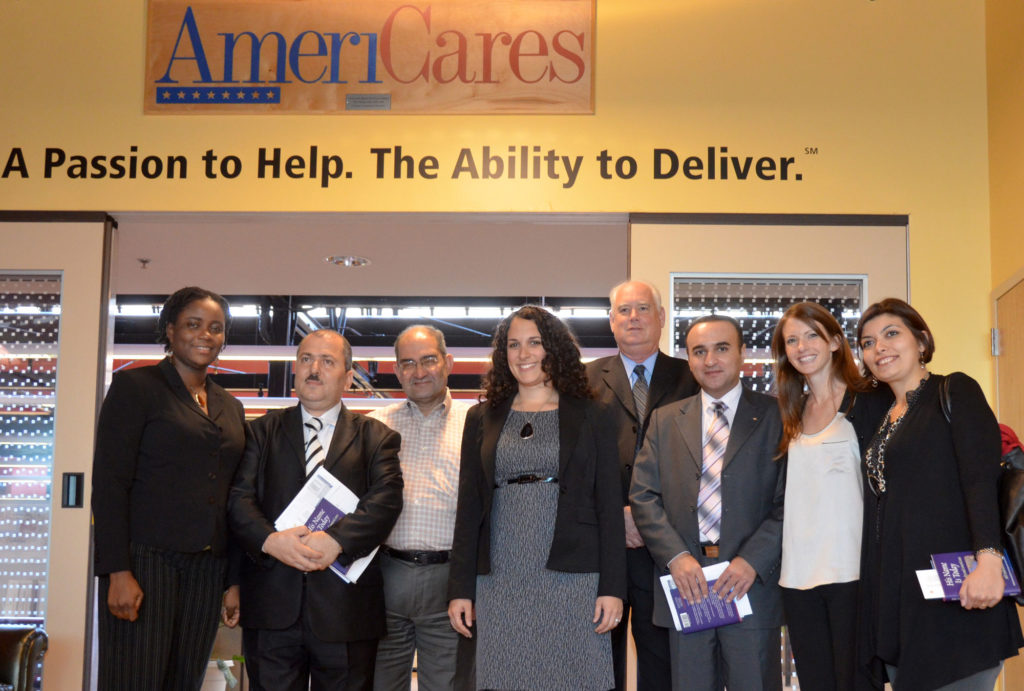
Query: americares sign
[(423, 56)]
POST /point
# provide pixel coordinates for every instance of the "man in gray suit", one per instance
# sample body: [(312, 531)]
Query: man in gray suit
[(707, 489)]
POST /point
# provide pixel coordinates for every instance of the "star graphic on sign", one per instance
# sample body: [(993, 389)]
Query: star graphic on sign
[(181, 95), (225, 95), (165, 95), (240, 95), (210, 95), (254, 95), (195, 94)]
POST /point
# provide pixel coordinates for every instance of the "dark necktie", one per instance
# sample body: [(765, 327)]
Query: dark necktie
[(640, 392), (314, 449)]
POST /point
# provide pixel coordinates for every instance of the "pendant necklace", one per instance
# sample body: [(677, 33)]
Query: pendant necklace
[(199, 396), (526, 431)]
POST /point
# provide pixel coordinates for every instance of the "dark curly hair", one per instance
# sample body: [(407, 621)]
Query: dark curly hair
[(182, 298), (561, 358)]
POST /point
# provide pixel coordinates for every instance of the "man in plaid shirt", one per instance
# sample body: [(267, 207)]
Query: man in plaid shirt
[(414, 559)]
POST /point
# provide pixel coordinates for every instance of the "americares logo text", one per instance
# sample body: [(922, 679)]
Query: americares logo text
[(444, 56)]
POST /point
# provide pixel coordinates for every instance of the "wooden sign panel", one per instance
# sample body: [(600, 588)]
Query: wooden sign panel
[(315, 56)]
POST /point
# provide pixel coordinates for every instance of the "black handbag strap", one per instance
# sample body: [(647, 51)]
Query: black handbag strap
[(944, 399)]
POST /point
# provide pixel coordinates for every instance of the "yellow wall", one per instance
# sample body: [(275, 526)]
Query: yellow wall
[(892, 95), (1004, 20)]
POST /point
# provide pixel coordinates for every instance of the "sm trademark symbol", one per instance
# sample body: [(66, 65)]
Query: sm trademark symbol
[(811, 150)]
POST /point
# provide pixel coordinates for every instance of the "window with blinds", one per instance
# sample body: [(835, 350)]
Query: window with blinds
[(29, 328), (757, 302)]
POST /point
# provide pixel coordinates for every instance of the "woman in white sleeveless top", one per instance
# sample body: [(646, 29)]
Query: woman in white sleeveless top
[(827, 416)]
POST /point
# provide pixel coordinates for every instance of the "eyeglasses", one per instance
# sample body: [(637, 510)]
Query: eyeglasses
[(427, 362)]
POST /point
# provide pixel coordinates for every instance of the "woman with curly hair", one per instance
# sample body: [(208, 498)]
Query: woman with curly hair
[(538, 560), (829, 413)]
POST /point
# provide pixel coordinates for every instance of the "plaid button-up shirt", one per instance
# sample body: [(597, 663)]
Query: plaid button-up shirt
[(431, 447)]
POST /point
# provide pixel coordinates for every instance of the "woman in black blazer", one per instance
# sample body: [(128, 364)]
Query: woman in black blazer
[(167, 445), (931, 489), (538, 559)]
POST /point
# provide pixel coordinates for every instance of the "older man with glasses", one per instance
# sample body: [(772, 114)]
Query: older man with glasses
[(415, 555)]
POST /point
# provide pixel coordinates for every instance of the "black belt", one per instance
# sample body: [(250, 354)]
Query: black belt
[(418, 558), (527, 480), (709, 549)]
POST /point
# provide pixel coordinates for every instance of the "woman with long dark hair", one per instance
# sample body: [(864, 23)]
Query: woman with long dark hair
[(167, 445), (827, 415), (538, 561), (932, 489)]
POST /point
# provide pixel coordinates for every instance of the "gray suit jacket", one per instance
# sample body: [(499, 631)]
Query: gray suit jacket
[(666, 480)]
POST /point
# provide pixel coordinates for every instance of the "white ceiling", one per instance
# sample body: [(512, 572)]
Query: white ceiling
[(436, 254)]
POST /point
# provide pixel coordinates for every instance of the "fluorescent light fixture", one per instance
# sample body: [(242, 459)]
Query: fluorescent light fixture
[(130, 351), (349, 261)]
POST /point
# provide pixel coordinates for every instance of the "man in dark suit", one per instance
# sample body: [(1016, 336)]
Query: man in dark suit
[(705, 490), (637, 318), (303, 622)]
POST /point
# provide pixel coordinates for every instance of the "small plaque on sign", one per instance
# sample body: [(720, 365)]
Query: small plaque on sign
[(367, 101)]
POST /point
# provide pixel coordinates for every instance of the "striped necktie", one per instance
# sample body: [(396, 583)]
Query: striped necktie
[(709, 498), (640, 392), (314, 449)]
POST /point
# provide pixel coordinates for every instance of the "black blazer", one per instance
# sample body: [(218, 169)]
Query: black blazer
[(589, 531), (671, 381), (865, 412), (363, 455), (941, 480), (162, 467)]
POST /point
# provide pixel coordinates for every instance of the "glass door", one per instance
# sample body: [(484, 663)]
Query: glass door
[(54, 297), (29, 326)]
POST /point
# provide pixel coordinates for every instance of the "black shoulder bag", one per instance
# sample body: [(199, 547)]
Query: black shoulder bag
[(1011, 495)]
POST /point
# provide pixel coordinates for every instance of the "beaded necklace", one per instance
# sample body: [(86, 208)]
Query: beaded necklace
[(874, 459)]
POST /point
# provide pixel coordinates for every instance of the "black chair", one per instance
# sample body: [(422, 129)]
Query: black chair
[(21, 656)]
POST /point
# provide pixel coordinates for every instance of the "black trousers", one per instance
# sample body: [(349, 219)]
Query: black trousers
[(168, 646), (821, 623), (653, 663), (293, 659), (296, 659)]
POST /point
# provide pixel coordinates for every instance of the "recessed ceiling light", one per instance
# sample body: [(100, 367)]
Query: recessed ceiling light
[(349, 260)]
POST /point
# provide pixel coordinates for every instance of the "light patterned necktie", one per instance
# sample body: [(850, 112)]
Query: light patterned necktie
[(314, 449), (709, 499)]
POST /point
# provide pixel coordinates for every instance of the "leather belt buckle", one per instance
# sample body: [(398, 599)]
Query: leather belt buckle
[(524, 479), (422, 558), (528, 479), (710, 550)]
